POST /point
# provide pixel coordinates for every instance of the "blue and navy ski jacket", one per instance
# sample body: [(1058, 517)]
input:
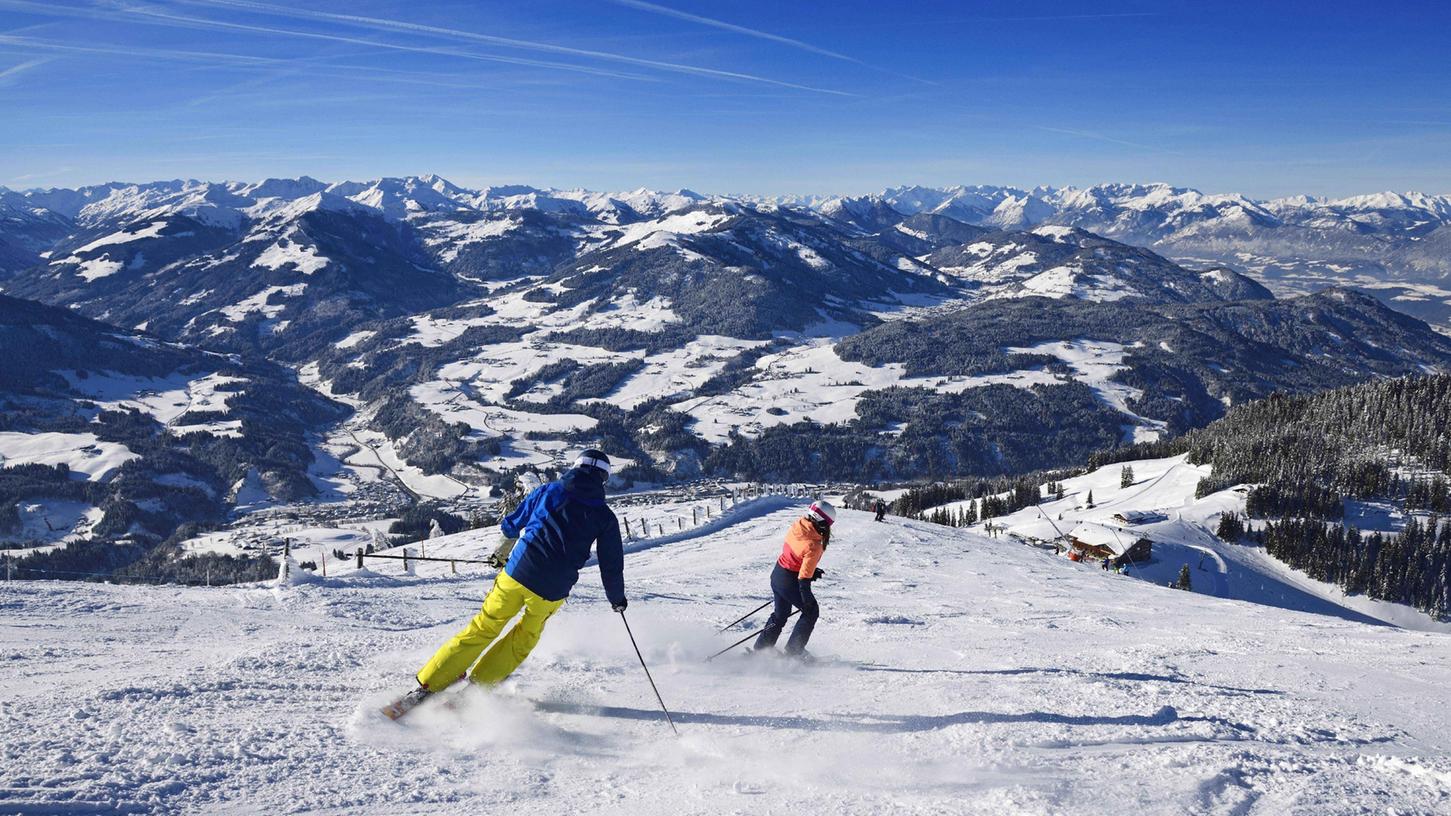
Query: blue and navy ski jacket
[(555, 525)]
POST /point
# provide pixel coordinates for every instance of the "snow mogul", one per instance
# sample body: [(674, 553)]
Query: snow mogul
[(791, 579), (556, 525)]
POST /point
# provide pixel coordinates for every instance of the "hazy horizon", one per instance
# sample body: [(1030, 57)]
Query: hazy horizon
[(819, 194)]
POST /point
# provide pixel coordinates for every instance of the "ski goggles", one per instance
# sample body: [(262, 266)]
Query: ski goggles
[(590, 461)]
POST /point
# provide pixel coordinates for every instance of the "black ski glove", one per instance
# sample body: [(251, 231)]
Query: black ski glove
[(808, 598), (820, 573), (620, 607)]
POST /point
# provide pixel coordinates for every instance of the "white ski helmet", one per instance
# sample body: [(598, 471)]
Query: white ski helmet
[(822, 510), (595, 459)]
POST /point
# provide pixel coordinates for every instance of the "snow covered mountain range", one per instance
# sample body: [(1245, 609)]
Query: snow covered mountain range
[(916, 333), (1161, 213), (1404, 232), (1395, 245), (1391, 243)]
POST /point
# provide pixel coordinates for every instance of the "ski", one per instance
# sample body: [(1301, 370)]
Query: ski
[(406, 703)]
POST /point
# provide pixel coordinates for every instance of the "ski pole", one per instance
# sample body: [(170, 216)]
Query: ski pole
[(747, 615), (744, 639), (668, 718)]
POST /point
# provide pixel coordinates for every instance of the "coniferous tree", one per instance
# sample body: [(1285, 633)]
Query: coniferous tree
[(1231, 527), (1305, 457), (983, 499), (1302, 459)]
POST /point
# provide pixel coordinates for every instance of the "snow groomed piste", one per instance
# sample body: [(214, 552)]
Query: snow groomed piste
[(960, 674)]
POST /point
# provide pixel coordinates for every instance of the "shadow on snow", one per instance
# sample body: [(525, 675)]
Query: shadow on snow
[(1136, 677), (873, 723)]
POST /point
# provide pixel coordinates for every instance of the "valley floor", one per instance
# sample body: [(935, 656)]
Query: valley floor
[(959, 674)]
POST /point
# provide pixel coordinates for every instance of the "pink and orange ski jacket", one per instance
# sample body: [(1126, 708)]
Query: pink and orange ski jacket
[(802, 550)]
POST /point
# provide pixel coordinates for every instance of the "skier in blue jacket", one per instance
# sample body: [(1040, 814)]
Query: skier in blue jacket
[(555, 525)]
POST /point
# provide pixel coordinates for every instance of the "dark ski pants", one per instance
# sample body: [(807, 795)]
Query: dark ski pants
[(790, 594)]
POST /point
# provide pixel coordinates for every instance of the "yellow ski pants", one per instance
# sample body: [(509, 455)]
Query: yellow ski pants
[(504, 601)]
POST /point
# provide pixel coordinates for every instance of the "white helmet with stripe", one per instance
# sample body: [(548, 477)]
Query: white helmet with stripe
[(595, 459), (821, 510)]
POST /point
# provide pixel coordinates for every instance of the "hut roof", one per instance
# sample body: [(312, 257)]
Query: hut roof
[(1096, 535)]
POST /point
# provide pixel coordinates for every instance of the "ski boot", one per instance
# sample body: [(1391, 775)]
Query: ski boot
[(406, 703)]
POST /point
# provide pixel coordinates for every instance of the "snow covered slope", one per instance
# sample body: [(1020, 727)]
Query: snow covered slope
[(134, 436), (959, 675), (1181, 528)]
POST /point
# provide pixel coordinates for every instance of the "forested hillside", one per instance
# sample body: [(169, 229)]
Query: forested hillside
[(1327, 462), (1377, 439)]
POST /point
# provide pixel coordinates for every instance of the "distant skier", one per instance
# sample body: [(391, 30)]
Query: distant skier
[(556, 525), (791, 579), (527, 483), (881, 508)]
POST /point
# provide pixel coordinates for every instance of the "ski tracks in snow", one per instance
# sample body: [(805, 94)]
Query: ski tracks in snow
[(959, 674)]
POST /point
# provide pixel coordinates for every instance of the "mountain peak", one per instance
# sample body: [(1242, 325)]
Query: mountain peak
[(282, 188)]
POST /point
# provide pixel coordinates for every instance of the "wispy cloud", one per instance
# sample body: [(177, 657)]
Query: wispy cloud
[(1099, 137), (119, 10), (665, 11), (732, 27), (206, 159), (36, 176), (48, 9), (213, 57), (367, 75), (154, 16), (10, 76), (459, 35), (910, 21), (235, 89), (158, 17), (275, 68), (1028, 18)]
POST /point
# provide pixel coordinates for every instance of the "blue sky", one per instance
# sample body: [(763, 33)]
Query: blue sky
[(737, 96)]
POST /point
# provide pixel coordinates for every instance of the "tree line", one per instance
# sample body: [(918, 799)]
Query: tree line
[(1384, 441)]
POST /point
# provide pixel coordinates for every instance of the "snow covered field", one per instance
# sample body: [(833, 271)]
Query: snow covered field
[(812, 382), (50, 524), (808, 381), (959, 675), (165, 399), (1094, 364), (84, 453)]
